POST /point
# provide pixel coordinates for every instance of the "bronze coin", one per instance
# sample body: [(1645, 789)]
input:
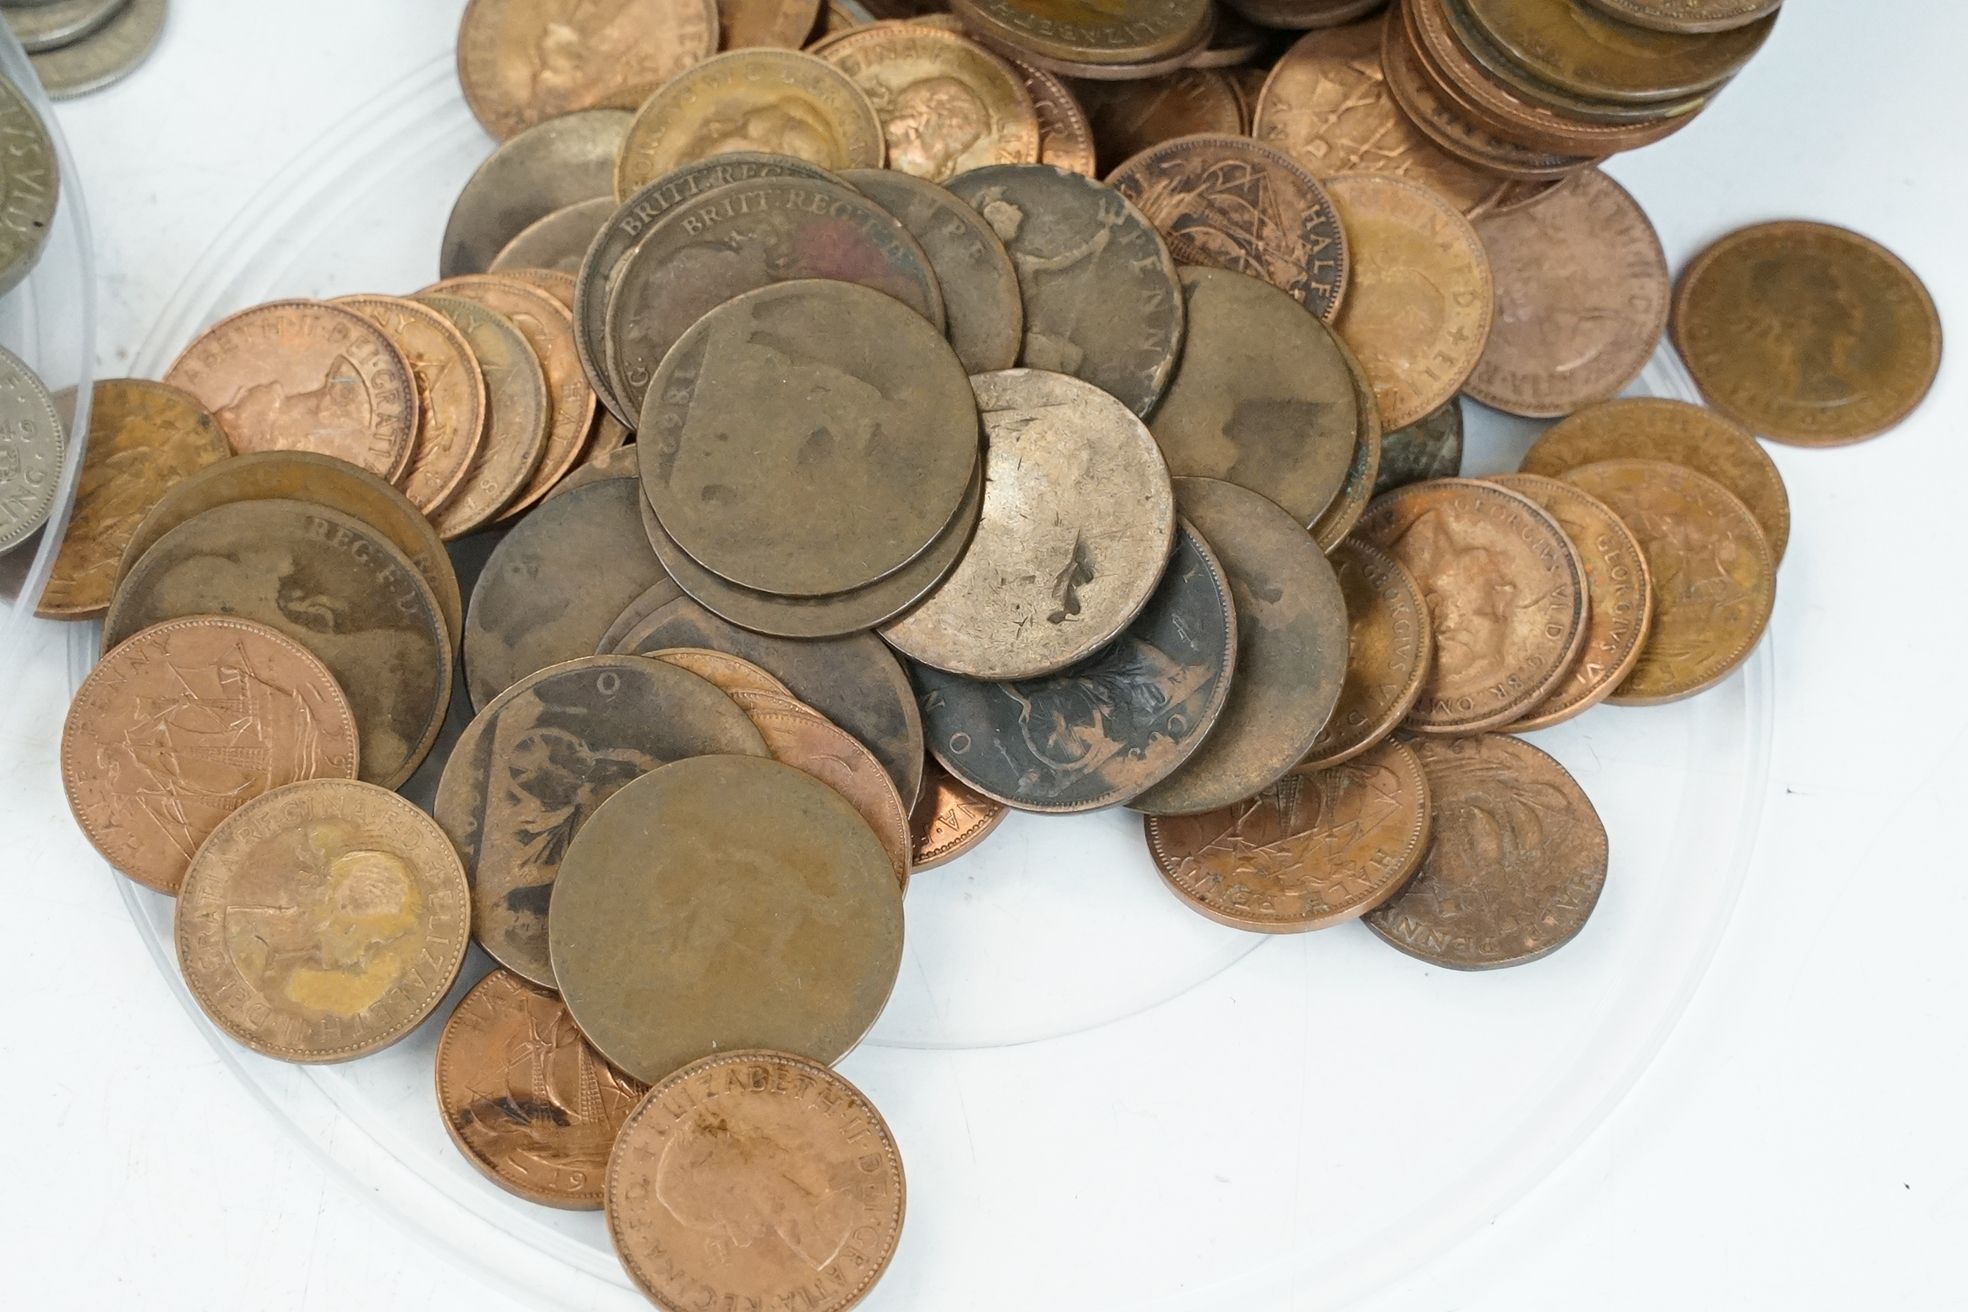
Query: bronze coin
[(1506, 598), (559, 239), (1575, 48), (781, 23), (451, 401), (179, 724), (518, 416), (1233, 43), (331, 582), (542, 169), (1516, 864), (540, 758), (1687, 15), (1357, 490), (1078, 519), (1101, 299), (305, 376), (622, 462), (724, 902), (1065, 136), (1389, 647), (1714, 576), (1291, 650), (1807, 333), (1108, 729), (950, 818), (1304, 15), (756, 1144), (1310, 851), (610, 436), (555, 282), (1129, 117), (731, 674), (1430, 447), (946, 104), (658, 595), (1077, 32), (524, 1097), (322, 921), (143, 438)]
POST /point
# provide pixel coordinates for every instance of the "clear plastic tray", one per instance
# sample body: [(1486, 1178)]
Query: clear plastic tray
[(1103, 1100)]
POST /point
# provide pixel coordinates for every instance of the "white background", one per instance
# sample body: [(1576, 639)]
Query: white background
[(1800, 1143)]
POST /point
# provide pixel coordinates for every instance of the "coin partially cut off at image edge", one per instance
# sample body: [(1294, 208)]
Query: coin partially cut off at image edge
[(451, 402), (1430, 447), (949, 819), (518, 416), (557, 240), (537, 171), (1389, 650)]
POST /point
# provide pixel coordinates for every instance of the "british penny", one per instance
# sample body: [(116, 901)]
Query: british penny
[(544, 168), (950, 818), (1389, 648), (1515, 866), (525, 61), (1129, 117), (610, 436), (1714, 576), (1506, 598), (322, 921), (1357, 490), (558, 240), (653, 598), (783, 23), (518, 416), (1575, 48), (1430, 447), (30, 187), (108, 54), (1077, 32), (1233, 43), (1108, 729), (1807, 333), (1077, 525), (524, 1097), (1420, 302), (1101, 299), (1065, 136), (724, 902), (1230, 203), (305, 376), (179, 724), (1581, 300), (731, 674), (1688, 15), (946, 104), (540, 758), (770, 1147), (451, 400)]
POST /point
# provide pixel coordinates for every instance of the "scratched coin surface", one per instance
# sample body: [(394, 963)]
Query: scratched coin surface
[(1356, 490), (29, 187), (946, 104), (1714, 575), (1389, 647), (1430, 447), (1574, 47), (518, 416), (1506, 598), (950, 818), (322, 921), (1807, 333), (1131, 116), (1688, 15), (451, 400), (1516, 864), (756, 1179), (540, 758), (543, 168), (1089, 33), (1077, 524), (180, 724), (558, 240), (524, 1097)]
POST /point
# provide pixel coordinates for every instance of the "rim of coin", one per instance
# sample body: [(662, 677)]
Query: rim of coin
[(1571, 46), (110, 53), (1357, 492), (727, 672), (518, 416), (557, 240), (531, 175), (1430, 447), (451, 391), (49, 24), (937, 838), (1687, 16), (1091, 36), (1399, 611), (658, 595), (30, 187), (37, 447), (1131, 116), (1065, 136)]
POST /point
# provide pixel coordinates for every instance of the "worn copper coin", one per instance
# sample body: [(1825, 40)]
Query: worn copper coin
[(731, 674), (1131, 116), (451, 402), (1430, 447), (946, 104), (554, 282), (1065, 136), (557, 240), (1515, 866), (950, 818), (1575, 48), (1357, 490), (1075, 31), (1389, 647), (782, 23), (1687, 15), (518, 416), (30, 187), (544, 168), (652, 599), (1304, 14)]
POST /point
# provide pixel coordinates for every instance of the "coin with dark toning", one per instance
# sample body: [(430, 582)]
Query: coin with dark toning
[(450, 394), (1430, 447), (1688, 15), (1356, 490), (29, 187), (518, 416), (1070, 31), (556, 241), (1515, 866), (1387, 653), (1130, 116), (950, 818), (550, 165), (946, 104), (731, 674), (1575, 48)]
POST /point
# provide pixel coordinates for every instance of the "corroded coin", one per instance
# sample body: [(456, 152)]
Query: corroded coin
[(1515, 866), (322, 921), (547, 166), (524, 1097), (179, 724), (540, 758), (724, 902), (518, 416), (1389, 647), (1077, 524), (783, 23), (30, 186), (1430, 447), (766, 1146), (559, 240), (1310, 851), (1065, 136), (946, 104), (1357, 489), (1506, 598), (1575, 48), (451, 400), (1131, 116), (1807, 333), (1688, 15), (1714, 576), (731, 674), (950, 818), (1078, 32)]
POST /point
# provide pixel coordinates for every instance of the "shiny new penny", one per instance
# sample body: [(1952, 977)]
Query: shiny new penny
[(1430, 447), (1131, 116), (1089, 33), (305, 376), (781, 1155), (518, 416), (946, 104), (731, 674), (1310, 851), (451, 402), (1515, 866), (1714, 576), (524, 1097), (322, 921), (559, 240), (1388, 651), (1506, 598), (1357, 489), (1065, 136), (950, 818), (544, 168), (180, 724), (1575, 48), (1807, 333), (782, 23), (1688, 15)]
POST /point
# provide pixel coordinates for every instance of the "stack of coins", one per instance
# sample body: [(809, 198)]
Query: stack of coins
[(78, 46)]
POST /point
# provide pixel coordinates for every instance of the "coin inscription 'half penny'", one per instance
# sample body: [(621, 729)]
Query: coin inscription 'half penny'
[(1387, 656), (950, 818), (1077, 32)]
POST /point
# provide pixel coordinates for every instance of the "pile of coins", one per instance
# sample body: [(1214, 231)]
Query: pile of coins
[(32, 441), (78, 46), (960, 482)]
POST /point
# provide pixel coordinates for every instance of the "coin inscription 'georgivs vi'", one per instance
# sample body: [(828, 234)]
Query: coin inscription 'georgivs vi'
[(946, 105), (518, 416), (450, 394), (1387, 656), (950, 818)]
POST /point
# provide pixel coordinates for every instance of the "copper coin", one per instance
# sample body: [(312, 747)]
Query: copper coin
[(1807, 333), (554, 282), (1129, 117), (724, 902), (1506, 598), (540, 758), (1516, 864), (1291, 650), (1581, 291), (1304, 14), (1077, 524), (1430, 447), (1714, 576), (1420, 302), (524, 1097), (652, 599), (1357, 489), (1065, 136), (542, 169), (143, 438), (1101, 299), (1619, 595), (1090, 33), (518, 416), (950, 818), (782, 23), (451, 401), (946, 104), (1389, 648), (559, 239), (322, 921), (524, 61), (775, 1150), (305, 376), (1575, 48), (731, 674), (1654, 428), (178, 725), (1310, 851), (1233, 43), (1688, 15), (610, 436)]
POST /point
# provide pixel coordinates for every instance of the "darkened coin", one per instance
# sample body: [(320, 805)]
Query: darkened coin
[(1065, 136), (724, 902), (1688, 15), (652, 599), (1515, 866), (108, 54), (1304, 14), (518, 416), (450, 394), (1130, 117), (1575, 48), (1388, 650), (1357, 489), (1070, 30), (30, 186), (622, 462), (540, 758), (731, 674), (1110, 728), (544, 168), (783, 23), (33, 448), (950, 818), (1430, 447), (558, 240), (946, 104)]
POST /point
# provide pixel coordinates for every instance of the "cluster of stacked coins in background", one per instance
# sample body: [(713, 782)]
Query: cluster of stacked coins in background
[(830, 461), (78, 46)]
